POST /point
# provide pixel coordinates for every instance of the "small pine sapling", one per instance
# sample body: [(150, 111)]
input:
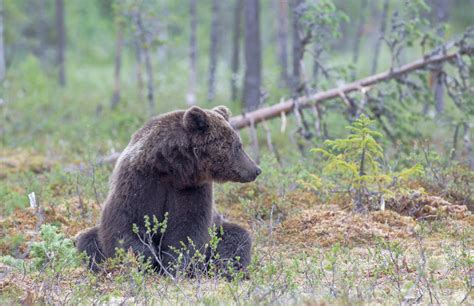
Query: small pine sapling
[(355, 162)]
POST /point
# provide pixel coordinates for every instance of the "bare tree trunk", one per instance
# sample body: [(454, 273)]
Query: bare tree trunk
[(61, 31), (359, 204), (438, 89), (148, 66), (358, 37), (441, 9), (2, 47), (161, 30), (213, 49), (282, 40), (239, 6), (42, 29), (118, 65), (317, 50), (252, 55), (138, 68), (191, 96), (454, 150), (297, 47), (468, 146), (378, 44), (150, 86)]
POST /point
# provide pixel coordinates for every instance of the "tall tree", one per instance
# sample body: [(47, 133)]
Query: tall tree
[(138, 67), (441, 10), (2, 47), (118, 59), (161, 30), (42, 27), (298, 50), (191, 96), (358, 37), (145, 44), (61, 40), (282, 40), (253, 54), (378, 44), (239, 6), (213, 49)]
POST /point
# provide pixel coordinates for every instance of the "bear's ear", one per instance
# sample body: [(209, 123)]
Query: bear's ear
[(195, 119), (223, 111)]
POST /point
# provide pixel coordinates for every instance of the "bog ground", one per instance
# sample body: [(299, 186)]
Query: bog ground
[(305, 251)]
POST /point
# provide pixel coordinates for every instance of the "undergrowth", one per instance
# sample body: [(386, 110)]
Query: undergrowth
[(308, 245)]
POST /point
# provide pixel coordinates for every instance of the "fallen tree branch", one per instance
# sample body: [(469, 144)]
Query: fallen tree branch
[(270, 112), (285, 107)]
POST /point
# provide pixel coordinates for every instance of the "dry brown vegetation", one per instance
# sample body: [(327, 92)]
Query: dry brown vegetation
[(306, 251)]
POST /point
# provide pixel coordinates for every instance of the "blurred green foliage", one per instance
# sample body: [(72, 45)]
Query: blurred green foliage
[(39, 114)]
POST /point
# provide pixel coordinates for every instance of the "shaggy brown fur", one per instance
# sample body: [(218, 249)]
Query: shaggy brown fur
[(168, 167)]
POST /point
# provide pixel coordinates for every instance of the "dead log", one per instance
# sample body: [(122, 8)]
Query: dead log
[(270, 112)]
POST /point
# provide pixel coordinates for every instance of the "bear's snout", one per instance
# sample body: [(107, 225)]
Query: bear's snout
[(246, 168), (249, 175)]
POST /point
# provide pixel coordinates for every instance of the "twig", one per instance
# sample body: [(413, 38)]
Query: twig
[(455, 141), (254, 141), (283, 122), (468, 145), (269, 142)]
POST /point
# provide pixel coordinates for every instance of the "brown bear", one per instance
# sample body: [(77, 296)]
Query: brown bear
[(169, 167)]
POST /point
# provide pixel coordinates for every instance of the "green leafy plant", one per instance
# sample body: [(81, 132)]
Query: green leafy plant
[(189, 258), (53, 251), (54, 254)]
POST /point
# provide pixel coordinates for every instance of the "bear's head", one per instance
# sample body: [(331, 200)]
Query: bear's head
[(217, 147)]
